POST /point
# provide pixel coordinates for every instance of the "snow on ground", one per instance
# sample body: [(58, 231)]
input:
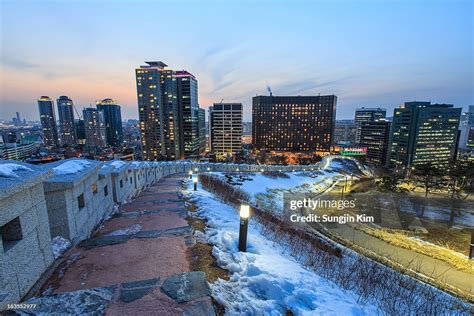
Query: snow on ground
[(7, 170), (129, 230), (60, 245), (264, 280), (71, 167), (269, 189)]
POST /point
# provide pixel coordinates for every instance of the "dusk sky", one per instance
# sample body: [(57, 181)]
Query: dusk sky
[(368, 53)]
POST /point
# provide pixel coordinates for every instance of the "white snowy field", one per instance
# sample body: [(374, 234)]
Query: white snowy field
[(269, 189), (264, 280)]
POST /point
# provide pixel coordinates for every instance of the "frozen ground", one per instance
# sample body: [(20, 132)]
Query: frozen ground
[(264, 280), (60, 245), (269, 189)]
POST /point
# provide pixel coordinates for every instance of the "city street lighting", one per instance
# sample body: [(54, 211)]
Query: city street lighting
[(237, 169), (196, 170), (261, 170), (195, 182), (190, 174), (244, 223), (208, 169)]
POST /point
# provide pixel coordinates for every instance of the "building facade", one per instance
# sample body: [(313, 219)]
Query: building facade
[(367, 115), (375, 136), (225, 124), (66, 120), (424, 134), (113, 121), (158, 111), (188, 114), (48, 121), (293, 123), (345, 132), (202, 130), (94, 127)]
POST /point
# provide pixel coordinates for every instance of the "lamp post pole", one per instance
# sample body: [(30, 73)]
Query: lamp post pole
[(195, 182), (190, 174), (244, 223), (471, 246)]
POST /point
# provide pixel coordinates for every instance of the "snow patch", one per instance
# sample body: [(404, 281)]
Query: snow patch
[(8, 170), (265, 280), (130, 230), (71, 167), (60, 245)]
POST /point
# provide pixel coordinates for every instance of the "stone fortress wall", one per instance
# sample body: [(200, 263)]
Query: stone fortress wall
[(70, 198)]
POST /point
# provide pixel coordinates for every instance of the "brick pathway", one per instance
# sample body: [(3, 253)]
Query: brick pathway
[(122, 268)]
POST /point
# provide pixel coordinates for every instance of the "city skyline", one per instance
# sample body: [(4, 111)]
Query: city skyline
[(392, 59)]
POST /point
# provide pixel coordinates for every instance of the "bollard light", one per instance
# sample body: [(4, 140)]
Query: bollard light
[(244, 223), (190, 174), (195, 182)]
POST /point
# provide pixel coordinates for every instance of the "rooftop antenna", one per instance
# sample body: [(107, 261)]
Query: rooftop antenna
[(269, 89)]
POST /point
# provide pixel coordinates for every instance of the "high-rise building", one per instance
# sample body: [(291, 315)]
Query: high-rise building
[(188, 114), (345, 132), (158, 111), (202, 130), (80, 132), (225, 124), (113, 121), (94, 127), (48, 121), (470, 132), (424, 134), (66, 120), (293, 123), (375, 136), (367, 115)]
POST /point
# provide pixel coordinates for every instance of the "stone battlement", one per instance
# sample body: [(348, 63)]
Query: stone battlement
[(70, 198)]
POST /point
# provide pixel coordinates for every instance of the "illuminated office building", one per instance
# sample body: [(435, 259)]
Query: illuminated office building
[(225, 124), (202, 130), (66, 120), (375, 136), (367, 115), (293, 123), (48, 121), (188, 114), (94, 127), (112, 120), (424, 134)]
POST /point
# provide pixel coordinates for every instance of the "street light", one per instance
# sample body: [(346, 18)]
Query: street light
[(190, 174), (195, 182), (237, 169), (208, 169), (196, 170), (244, 223), (261, 170)]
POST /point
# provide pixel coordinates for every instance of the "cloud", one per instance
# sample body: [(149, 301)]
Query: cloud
[(16, 63)]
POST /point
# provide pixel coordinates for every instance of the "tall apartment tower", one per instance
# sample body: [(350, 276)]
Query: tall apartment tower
[(66, 120), (202, 130), (48, 121), (375, 136), (293, 123), (225, 124), (424, 134), (158, 111), (113, 121), (94, 127), (188, 114), (367, 115)]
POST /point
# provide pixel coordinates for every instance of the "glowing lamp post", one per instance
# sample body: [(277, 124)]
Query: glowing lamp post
[(190, 174), (195, 182), (196, 170), (244, 223)]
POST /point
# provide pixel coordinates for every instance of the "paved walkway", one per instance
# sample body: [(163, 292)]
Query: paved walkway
[(459, 281), (137, 263)]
